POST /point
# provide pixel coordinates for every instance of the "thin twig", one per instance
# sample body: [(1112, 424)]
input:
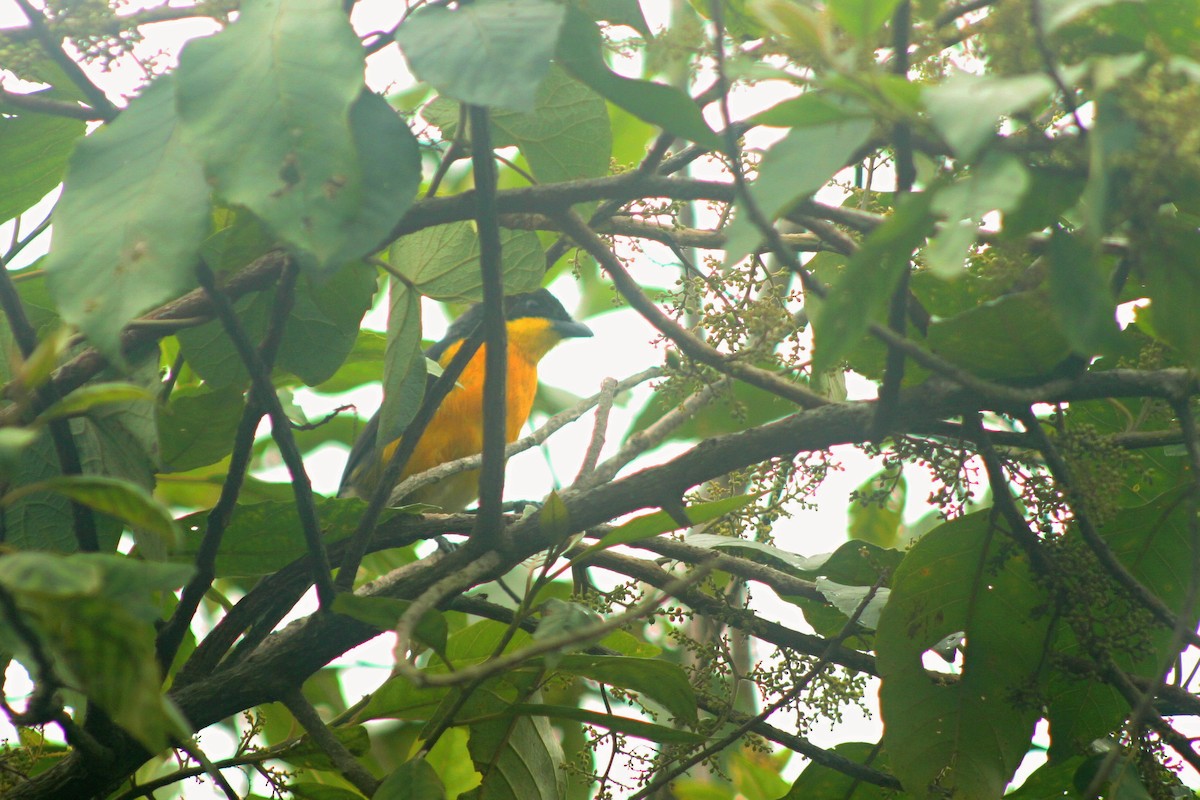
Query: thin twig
[(541, 434), (53, 48), (505, 663), (688, 342), (608, 393), (44, 105)]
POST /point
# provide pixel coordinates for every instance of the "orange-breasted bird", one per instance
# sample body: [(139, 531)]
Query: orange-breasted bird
[(536, 323)]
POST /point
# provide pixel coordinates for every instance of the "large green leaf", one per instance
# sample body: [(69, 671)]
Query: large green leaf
[(817, 781), (877, 514), (399, 698), (580, 52), (264, 537), (443, 262), (125, 501), (1173, 285), (565, 137), (1012, 337), (33, 154), (1079, 288), (967, 108), (320, 330), (412, 780), (128, 226), (488, 53), (862, 292), (518, 756), (93, 616), (196, 427), (967, 734), (793, 168), (862, 19), (1153, 543), (322, 162), (664, 683), (404, 372)]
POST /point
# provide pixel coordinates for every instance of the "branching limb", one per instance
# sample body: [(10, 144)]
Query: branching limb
[(281, 426), (171, 634), (53, 48), (330, 745), (543, 432)]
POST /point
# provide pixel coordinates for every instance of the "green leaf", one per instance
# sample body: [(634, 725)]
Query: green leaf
[(847, 600), (1079, 289), (795, 167), (618, 12), (118, 498), (965, 735), (197, 426), (308, 753), (91, 395), (1060, 12), (130, 221), (717, 542), (1012, 337), (321, 791), (1153, 543), (488, 53), (580, 53), (559, 617), (518, 757), (661, 681), (877, 514), (567, 136), (404, 375), (821, 781), (967, 108), (744, 407), (443, 262), (660, 522), (554, 518), (862, 293), (33, 154), (389, 158), (997, 183), (320, 331), (93, 616), (363, 365), (264, 537), (862, 19), (625, 725), (1173, 285), (385, 612), (412, 780), (810, 109), (296, 161)]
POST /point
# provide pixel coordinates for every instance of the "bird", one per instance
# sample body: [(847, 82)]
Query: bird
[(536, 322)]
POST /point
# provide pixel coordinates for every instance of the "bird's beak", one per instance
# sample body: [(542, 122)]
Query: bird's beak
[(570, 329)]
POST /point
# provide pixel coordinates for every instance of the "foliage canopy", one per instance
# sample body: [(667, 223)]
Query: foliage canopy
[(983, 219)]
